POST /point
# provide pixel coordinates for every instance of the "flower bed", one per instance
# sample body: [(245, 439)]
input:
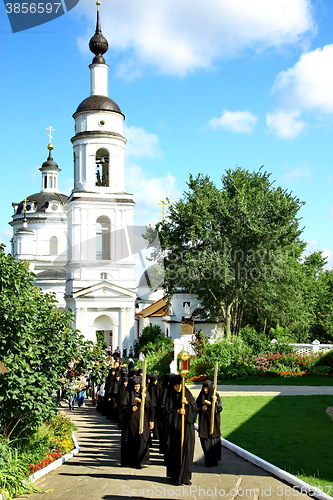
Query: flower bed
[(48, 459)]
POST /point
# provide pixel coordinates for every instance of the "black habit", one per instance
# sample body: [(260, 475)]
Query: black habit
[(135, 446), (211, 443), (180, 471)]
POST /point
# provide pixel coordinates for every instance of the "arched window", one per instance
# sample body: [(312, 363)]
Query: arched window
[(103, 238), (45, 181), (53, 245), (50, 181), (102, 168)]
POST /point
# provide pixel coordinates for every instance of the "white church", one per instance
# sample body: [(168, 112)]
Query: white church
[(81, 247)]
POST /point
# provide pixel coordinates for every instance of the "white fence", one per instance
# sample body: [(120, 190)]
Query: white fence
[(312, 348), (183, 343)]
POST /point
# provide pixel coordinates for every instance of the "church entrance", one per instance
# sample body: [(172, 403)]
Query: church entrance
[(104, 330)]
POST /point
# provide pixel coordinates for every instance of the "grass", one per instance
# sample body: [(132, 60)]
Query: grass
[(315, 380), (291, 432)]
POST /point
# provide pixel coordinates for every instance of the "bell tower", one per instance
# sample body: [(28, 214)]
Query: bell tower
[(100, 285)]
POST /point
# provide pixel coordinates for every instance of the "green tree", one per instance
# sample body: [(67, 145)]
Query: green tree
[(216, 242), (37, 342), (322, 328)]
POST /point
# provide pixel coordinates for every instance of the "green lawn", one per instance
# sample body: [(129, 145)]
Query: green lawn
[(303, 380), (291, 432)]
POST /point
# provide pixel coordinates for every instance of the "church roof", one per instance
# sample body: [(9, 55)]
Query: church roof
[(50, 164), (42, 201), (98, 103), (159, 308), (52, 274)]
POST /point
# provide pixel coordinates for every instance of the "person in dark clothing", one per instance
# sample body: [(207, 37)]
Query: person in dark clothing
[(113, 414), (211, 443), (108, 388), (135, 446), (154, 390), (122, 391), (179, 466), (161, 416)]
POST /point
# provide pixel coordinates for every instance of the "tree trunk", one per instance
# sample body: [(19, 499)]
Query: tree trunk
[(228, 320)]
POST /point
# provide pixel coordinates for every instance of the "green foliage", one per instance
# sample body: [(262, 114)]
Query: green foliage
[(199, 342), (258, 342), (37, 342), (159, 362), (148, 336), (16, 457), (152, 340), (219, 243)]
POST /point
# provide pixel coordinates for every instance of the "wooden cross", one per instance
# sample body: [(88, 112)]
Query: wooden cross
[(164, 204), (50, 129)]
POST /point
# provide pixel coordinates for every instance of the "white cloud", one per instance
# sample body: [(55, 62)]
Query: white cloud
[(148, 191), (298, 174), (308, 84), (285, 124), (177, 37), (236, 121), (141, 144)]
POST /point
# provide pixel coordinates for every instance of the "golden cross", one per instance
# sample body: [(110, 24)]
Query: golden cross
[(163, 203), (50, 129), (25, 205)]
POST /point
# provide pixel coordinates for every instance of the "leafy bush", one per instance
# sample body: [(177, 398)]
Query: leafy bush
[(19, 458), (37, 342), (13, 473), (320, 370), (258, 342), (158, 362)]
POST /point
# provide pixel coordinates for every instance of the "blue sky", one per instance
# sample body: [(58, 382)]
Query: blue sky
[(205, 86)]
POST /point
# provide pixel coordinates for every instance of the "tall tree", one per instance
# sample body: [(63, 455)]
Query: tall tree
[(217, 241)]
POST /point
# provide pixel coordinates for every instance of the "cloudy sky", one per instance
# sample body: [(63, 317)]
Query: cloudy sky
[(205, 86)]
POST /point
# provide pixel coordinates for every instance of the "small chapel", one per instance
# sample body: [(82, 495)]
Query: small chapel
[(81, 247)]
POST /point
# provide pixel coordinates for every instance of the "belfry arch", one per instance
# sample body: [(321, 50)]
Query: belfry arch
[(102, 168)]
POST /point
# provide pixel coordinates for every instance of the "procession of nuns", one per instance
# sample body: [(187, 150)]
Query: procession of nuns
[(164, 413)]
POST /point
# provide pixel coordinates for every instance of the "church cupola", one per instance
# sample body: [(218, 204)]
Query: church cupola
[(49, 171), (98, 45)]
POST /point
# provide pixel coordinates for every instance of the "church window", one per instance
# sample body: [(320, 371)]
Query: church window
[(103, 238), (54, 182), (50, 181), (53, 245), (45, 181), (102, 168)]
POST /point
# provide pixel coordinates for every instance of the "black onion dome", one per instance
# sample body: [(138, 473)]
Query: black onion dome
[(98, 103), (42, 201), (98, 44), (50, 164)]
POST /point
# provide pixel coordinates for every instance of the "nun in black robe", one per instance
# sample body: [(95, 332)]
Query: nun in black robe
[(122, 391), (211, 443), (107, 391), (161, 416), (135, 446), (154, 389), (179, 470)]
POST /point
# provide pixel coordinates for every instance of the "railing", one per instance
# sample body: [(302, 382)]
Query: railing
[(312, 348)]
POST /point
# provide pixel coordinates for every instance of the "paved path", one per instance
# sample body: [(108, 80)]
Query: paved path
[(95, 474)]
